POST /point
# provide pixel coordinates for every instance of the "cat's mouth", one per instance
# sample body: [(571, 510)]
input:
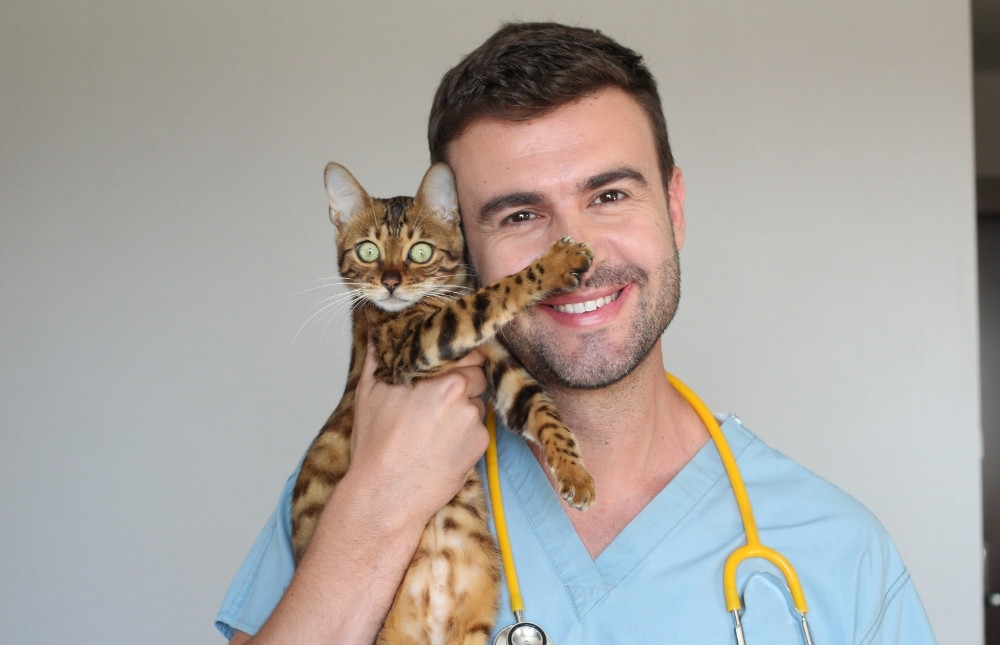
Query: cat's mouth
[(587, 305), (392, 303)]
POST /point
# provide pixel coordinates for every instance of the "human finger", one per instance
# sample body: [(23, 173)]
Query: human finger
[(475, 357)]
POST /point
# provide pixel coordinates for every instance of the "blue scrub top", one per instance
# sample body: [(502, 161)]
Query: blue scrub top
[(660, 580)]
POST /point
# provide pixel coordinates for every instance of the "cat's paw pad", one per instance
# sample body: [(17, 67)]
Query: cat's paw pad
[(576, 486), (564, 264)]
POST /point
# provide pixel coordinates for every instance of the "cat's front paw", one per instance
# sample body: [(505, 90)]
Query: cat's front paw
[(576, 486), (564, 264)]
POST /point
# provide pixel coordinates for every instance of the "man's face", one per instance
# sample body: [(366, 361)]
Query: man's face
[(588, 170)]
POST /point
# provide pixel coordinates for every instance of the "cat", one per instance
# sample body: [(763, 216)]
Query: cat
[(404, 257)]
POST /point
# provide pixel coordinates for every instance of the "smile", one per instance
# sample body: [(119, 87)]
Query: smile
[(589, 305)]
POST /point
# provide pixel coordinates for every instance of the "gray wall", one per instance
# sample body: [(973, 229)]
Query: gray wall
[(161, 210)]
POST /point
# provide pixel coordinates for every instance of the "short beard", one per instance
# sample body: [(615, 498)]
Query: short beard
[(594, 363)]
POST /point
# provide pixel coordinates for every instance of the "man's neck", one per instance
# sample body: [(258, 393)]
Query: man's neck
[(635, 436)]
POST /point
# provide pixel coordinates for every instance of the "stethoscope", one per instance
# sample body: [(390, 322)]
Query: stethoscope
[(527, 633)]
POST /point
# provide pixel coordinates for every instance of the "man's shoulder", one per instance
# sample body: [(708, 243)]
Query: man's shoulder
[(781, 487), (840, 549)]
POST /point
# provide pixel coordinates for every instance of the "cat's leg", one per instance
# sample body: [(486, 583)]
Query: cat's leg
[(324, 465), (427, 343), (477, 570), (558, 270), (528, 410), (330, 453), (450, 591), (475, 638)]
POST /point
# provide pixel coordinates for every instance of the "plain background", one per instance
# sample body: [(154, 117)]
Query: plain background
[(163, 213)]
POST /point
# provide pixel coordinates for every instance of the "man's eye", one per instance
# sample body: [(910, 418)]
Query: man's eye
[(609, 196), (519, 217)]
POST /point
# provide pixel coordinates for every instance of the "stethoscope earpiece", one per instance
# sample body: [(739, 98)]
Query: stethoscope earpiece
[(522, 634)]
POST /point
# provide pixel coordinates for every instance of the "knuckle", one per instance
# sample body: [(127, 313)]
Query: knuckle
[(480, 439), (453, 384)]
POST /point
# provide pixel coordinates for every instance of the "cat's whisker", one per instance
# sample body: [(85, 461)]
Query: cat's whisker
[(439, 299), (451, 280), (442, 296), (348, 285), (329, 282), (352, 307), (440, 292), (418, 221), (333, 306), (469, 278), (339, 297), (452, 289), (330, 278)]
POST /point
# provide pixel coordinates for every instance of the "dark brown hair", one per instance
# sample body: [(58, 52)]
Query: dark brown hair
[(526, 70)]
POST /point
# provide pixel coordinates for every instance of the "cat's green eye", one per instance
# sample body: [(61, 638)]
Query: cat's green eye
[(421, 252), (367, 251)]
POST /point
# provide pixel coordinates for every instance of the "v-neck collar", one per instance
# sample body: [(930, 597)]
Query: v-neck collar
[(588, 580)]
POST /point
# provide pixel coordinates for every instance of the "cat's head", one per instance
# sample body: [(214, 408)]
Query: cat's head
[(395, 252)]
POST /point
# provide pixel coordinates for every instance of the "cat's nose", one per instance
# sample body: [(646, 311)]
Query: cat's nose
[(390, 281)]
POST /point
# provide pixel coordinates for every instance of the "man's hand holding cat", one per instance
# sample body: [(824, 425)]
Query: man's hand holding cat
[(417, 444)]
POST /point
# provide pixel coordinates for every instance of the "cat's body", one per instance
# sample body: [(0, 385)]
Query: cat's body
[(405, 258)]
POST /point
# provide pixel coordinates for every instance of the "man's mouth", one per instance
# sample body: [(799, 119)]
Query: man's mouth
[(589, 305)]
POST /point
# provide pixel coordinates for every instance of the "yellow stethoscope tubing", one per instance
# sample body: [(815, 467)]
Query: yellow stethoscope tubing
[(752, 549), (499, 518)]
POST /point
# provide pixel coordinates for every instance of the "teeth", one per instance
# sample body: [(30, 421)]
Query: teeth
[(582, 307)]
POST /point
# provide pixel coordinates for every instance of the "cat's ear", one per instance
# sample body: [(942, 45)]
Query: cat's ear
[(345, 194), (437, 193)]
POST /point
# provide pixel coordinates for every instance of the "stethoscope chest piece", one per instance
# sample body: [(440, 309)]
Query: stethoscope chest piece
[(522, 634)]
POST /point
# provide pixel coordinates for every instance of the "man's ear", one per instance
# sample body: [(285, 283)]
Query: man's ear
[(675, 205)]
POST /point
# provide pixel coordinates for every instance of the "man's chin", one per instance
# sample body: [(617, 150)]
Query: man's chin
[(582, 368)]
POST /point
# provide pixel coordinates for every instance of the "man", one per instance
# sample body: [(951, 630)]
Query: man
[(554, 131)]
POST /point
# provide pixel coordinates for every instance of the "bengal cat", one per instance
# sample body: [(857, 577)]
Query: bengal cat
[(404, 258)]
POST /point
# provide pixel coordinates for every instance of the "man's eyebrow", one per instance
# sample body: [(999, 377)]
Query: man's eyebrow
[(511, 200), (528, 198), (613, 175)]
